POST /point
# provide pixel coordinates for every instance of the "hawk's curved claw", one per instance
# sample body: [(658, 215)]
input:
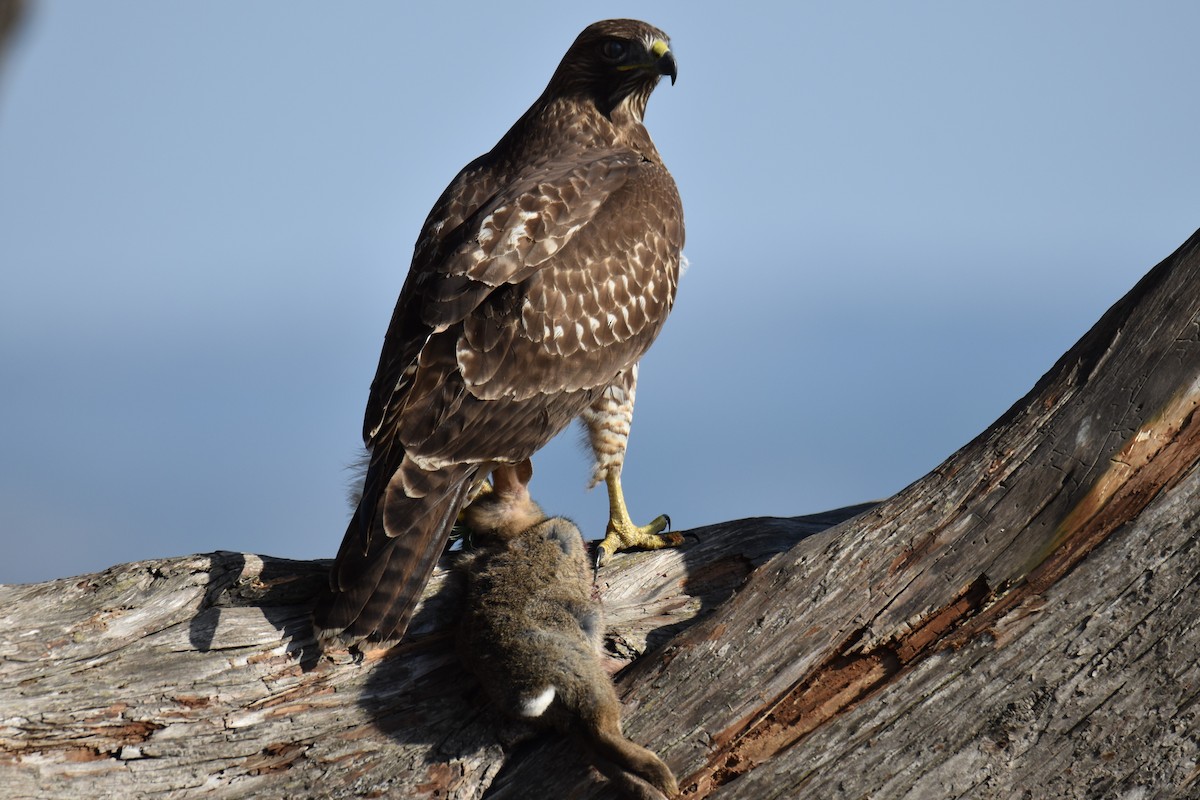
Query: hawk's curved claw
[(624, 535)]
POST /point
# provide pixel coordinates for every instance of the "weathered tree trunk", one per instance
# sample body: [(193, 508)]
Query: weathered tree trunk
[(200, 674), (1022, 622)]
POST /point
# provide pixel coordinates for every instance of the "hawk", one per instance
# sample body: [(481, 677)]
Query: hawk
[(541, 276)]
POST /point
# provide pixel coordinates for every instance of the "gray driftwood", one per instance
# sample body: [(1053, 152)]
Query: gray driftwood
[(1022, 622), (199, 676)]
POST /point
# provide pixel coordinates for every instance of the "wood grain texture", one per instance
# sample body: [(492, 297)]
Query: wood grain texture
[(199, 676), (1022, 622)]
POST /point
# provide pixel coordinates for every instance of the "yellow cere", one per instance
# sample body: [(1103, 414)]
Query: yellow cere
[(658, 49)]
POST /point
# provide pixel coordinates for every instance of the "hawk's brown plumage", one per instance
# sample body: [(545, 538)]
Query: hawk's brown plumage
[(541, 276)]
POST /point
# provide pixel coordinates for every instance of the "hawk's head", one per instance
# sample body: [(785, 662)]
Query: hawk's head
[(615, 62)]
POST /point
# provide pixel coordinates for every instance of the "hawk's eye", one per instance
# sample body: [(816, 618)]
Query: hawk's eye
[(614, 49)]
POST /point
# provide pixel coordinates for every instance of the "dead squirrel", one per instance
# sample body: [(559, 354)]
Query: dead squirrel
[(531, 631)]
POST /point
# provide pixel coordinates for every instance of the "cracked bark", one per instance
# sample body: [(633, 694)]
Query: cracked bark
[(1022, 622)]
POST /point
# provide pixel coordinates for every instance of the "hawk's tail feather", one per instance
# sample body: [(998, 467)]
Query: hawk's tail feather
[(396, 616), (377, 580)]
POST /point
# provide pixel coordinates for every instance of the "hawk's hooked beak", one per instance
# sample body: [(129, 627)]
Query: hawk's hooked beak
[(666, 61)]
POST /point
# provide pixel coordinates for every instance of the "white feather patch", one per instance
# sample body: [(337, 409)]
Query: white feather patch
[(683, 265), (519, 228), (536, 705)]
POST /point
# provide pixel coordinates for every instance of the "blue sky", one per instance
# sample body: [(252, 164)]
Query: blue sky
[(899, 216)]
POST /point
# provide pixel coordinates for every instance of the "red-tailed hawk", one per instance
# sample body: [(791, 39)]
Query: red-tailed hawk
[(540, 278)]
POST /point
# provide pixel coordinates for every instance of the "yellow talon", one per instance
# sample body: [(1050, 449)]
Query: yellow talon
[(622, 534)]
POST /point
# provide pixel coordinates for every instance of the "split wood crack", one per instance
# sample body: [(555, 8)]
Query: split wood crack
[(1170, 440)]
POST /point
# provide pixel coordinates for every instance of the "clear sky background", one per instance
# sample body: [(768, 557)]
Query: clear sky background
[(899, 215)]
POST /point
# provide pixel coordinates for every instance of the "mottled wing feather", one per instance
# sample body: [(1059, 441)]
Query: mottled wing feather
[(407, 333), (592, 309), (477, 238), (547, 278), (518, 230)]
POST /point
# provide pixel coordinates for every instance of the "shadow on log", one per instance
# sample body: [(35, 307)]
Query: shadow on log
[(200, 674), (1022, 622)]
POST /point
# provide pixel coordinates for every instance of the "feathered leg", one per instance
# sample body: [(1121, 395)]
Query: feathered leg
[(608, 421)]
